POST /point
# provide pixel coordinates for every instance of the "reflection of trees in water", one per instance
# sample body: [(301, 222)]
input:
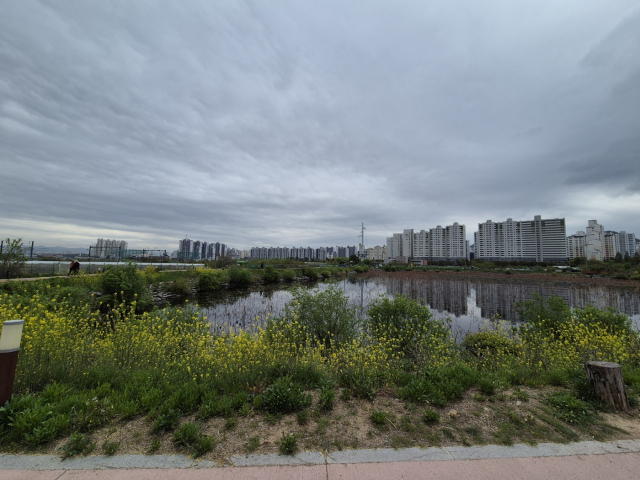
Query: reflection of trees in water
[(246, 311)]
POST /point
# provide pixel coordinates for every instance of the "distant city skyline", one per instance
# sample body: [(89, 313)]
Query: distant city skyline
[(468, 233)]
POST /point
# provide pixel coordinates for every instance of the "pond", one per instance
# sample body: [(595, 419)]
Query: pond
[(464, 301)]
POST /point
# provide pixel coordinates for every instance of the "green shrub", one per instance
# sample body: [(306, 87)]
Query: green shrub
[(409, 323), (303, 417), (186, 435), (118, 284), (326, 398), (270, 275), (621, 276), (166, 421), (360, 383), (616, 323), (570, 409), (481, 344), (288, 275), (180, 286), (151, 274), (311, 273), (210, 280), (487, 385), (253, 444), (325, 273), (378, 417), (284, 396), (327, 315), (110, 448), (224, 406), (555, 376), (418, 390), (203, 445), (288, 444), (78, 444), (189, 436), (240, 277), (430, 416), (540, 315), (155, 446)]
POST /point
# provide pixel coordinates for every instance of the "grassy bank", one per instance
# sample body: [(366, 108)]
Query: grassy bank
[(91, 369)]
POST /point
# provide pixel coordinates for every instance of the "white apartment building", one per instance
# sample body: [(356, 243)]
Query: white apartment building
[(540, 240), (394, 246), (109, 248), (438, 243), (379, 252), (595, 241), (611, 244), (576, 245), (407, 242), (627, 243)]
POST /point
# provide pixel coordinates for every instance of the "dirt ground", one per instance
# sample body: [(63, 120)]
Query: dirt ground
[(511, 416)]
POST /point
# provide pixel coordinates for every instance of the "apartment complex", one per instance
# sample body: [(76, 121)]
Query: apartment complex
[(377, 253), (109, 248), (600, 244), (439, 243), (307, 253), (539, 240), (196, 250)]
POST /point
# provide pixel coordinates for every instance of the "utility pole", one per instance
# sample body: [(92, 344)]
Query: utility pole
[(31, 256)]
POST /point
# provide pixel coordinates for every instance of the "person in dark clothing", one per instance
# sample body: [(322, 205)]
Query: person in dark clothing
[(74, 268)]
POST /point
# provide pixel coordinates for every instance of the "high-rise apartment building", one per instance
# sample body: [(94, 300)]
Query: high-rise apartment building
[(627, 243), (577, 245), (438, 243), (109, 248), (407, 242), (197, 249), (540, 240), (184, 249), (379, 252), (394, 246), (595, 241), (611, 244)]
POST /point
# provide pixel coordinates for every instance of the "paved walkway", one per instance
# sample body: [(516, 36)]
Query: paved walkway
[(33, 279), (584, 460)]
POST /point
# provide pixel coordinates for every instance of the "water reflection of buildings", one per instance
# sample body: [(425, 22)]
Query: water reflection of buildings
[(495, 299), (466, 297), (442, 294)]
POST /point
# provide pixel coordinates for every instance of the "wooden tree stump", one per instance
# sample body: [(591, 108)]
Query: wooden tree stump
[(606, 379)]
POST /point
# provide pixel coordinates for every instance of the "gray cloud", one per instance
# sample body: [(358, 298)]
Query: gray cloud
[(289, 123)]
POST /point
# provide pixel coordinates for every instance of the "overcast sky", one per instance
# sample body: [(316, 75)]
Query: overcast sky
[(291, 122)]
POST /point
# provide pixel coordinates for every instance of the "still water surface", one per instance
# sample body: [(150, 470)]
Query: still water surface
[(465, 302)]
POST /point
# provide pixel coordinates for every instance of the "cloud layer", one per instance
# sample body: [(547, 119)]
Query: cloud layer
[(280, 123)]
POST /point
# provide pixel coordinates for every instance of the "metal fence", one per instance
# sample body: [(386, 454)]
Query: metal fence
[(52, 268)]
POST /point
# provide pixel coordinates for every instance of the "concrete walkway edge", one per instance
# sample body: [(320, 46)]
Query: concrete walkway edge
[(446, 454)]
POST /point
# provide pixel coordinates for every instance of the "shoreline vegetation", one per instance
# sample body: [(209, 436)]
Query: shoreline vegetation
[(101, 370)]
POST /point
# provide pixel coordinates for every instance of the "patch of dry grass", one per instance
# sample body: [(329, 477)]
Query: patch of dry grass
[(499, 419)]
